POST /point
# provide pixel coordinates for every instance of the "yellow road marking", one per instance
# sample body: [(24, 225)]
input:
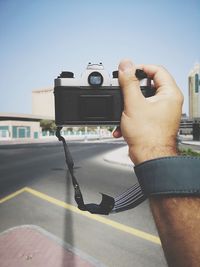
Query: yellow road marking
[(98, 218), (12, 195), (101, 219)]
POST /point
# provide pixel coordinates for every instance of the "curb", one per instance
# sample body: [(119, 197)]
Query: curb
[(119, 156), (196, 143), (49, 140)]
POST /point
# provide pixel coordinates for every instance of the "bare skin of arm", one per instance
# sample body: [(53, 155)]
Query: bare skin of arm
[(150, 126)]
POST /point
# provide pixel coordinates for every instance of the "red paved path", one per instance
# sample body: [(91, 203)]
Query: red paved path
[(28, 247)]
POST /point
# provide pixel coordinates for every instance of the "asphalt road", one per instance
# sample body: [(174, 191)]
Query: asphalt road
[(113, 240)]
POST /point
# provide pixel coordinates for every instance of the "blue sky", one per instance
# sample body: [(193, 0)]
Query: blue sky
[(39, 38)]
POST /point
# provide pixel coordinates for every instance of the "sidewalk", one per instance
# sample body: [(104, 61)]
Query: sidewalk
[(27, 141), (119, 156), (30, 245)]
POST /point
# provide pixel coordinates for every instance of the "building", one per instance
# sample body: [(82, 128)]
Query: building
[(194, 92), (43, 103), (14, 126), (186, 125)]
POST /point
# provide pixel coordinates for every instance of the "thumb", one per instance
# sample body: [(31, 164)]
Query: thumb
[(130, 86)]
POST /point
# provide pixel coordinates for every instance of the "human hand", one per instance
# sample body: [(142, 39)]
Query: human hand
[(149, 125)]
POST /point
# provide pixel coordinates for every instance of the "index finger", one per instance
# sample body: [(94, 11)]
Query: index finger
[(159, 75)]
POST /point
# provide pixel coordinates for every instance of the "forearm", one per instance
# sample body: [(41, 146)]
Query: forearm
[(178, 222), (150, 126)]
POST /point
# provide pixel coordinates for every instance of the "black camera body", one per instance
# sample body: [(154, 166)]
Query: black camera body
[(94, 99)]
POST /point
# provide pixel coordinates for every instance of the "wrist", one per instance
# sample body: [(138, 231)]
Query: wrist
[(144, 153), (170, 176)]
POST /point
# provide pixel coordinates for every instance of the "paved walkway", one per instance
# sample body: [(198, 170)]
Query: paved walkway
[(31, 246)]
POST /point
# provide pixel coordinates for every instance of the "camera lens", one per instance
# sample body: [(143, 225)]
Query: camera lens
[(95, 79)]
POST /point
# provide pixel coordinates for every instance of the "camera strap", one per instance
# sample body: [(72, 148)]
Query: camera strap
[(129, 199)]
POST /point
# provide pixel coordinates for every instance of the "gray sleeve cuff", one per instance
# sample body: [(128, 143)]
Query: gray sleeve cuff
[(169, 176)]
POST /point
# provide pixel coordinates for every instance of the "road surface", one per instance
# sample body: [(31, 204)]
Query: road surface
[(36, 190)]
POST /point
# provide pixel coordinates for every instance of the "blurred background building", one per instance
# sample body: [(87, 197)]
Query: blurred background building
[(14, 126), (43, 103), (194, 92), (29, 126)]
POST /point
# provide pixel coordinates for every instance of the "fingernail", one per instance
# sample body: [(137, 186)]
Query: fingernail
[(126, 66)]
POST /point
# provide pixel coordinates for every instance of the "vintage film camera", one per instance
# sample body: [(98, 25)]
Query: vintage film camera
[(94, 98)]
